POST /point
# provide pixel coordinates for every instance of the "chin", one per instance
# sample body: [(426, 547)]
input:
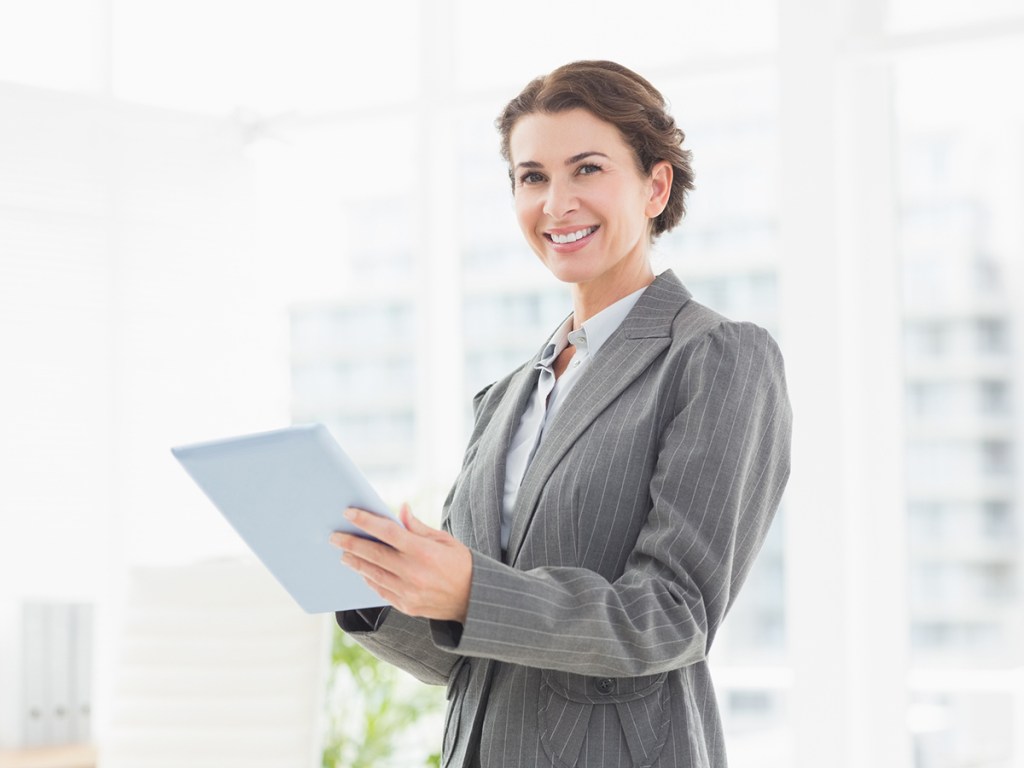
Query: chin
[(568, 274), (566, 270)]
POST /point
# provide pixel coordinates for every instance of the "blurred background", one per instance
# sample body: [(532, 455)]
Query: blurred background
[(225, 216)]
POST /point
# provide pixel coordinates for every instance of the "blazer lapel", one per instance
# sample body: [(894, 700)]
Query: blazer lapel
[(487, 480), (644, 335)]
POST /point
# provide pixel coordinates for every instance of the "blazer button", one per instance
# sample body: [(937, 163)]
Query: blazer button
[(606, 686)]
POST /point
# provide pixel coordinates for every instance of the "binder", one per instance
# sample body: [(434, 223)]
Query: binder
[(35, 704), (80, 699), (59, 650)]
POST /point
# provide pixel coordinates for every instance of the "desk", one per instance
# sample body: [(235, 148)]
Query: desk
[(70, 756)]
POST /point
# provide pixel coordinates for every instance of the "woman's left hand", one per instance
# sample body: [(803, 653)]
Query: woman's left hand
[(418, 569)]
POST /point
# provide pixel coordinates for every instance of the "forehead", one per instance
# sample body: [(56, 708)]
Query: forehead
[(553, 137)]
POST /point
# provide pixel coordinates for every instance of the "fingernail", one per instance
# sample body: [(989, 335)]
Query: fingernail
[(336, 539), (350, 514)]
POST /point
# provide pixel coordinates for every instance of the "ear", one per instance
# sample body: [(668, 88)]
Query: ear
[(661, 188)]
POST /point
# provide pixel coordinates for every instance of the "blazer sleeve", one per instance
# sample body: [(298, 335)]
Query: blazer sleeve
[(719, 473), (402, 640)]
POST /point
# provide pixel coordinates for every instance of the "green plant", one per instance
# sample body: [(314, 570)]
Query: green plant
[(371, 706)]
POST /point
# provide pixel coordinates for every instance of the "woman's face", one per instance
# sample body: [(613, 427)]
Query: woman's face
[(582, 204)]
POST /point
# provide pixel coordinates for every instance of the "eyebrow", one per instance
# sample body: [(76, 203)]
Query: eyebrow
[(574, 159)]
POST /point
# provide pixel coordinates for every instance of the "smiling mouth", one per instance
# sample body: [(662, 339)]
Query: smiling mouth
[(570, 237)]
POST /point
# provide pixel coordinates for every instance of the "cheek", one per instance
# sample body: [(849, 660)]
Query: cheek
[(525, 212)]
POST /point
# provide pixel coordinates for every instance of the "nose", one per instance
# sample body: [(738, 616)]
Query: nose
[(560, 200)]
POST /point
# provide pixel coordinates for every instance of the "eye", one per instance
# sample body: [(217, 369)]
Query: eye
[(531, 177), (588, 168)]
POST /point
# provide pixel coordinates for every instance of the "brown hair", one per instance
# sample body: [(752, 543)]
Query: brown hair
[(619, 96)]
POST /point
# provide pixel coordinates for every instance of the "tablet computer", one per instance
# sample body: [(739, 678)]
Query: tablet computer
[(285, 492)]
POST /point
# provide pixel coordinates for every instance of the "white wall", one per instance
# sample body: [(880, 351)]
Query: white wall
[(139, 308)]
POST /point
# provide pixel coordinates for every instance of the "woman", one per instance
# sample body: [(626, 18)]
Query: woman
[(616, 488)]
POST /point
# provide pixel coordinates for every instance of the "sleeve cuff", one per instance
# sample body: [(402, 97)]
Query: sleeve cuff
[(363, 619), (446, 634)]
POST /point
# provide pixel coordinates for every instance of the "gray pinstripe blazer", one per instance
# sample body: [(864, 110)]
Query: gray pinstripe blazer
[(636, 523)]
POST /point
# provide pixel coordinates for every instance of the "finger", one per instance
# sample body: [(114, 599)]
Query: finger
[(395, 596), (414, 525), (370, 570), (382, 590), (386, 593), (366, 556), (377, 526), (385, 584), (352, 541)]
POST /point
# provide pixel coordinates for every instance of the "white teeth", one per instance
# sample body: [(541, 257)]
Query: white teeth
[(572, 237)]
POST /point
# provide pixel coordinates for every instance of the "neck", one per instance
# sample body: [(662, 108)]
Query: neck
[(590, 298)]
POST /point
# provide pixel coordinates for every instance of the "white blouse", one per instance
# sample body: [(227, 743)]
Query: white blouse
[(551, 393)]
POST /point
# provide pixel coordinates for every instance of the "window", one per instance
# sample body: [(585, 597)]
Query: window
[(991, 335), (994, 397)]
